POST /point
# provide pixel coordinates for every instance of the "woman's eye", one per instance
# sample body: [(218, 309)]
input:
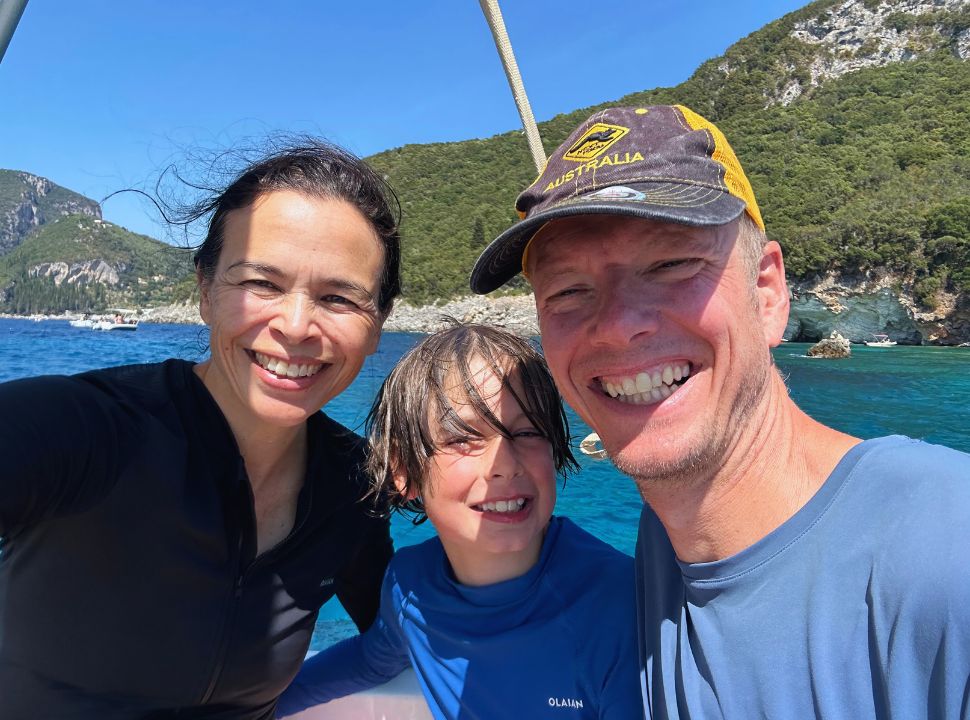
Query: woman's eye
[(528, 433), (261, 286), (337, 300)]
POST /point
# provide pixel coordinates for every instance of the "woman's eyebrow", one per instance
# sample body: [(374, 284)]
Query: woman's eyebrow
[(258, 267)]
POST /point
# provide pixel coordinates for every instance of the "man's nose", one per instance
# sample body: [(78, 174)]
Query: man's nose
[(624, 311)]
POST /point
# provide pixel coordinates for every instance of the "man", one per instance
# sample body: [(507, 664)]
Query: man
[(785, 569)]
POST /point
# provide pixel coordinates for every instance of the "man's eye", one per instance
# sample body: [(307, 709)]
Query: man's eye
[(682, 263), (566, 292)]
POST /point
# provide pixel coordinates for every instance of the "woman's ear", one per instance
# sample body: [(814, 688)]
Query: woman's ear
[(204, 306)]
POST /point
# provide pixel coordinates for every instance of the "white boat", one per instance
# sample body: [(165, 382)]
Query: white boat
[(126, 324), (880, 341)]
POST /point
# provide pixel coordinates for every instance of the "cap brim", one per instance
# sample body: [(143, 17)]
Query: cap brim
[(502, 259)]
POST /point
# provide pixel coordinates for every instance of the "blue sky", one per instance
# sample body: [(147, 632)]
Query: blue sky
[(101, 95)]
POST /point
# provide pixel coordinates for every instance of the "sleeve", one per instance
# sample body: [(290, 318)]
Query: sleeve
[(358, 585), (351, 666), (58, 441)]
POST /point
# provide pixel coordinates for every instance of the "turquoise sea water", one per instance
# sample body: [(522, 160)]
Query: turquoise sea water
[(923, 392)]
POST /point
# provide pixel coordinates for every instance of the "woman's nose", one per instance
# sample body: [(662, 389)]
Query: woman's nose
[(294, 316)]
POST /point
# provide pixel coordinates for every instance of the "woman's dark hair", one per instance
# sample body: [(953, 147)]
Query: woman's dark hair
[(414, 401), (316, 169)]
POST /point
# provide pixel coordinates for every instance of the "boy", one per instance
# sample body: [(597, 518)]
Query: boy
[(509, 612)]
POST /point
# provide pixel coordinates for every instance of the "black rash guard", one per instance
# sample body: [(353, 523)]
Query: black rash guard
[(129, 581)]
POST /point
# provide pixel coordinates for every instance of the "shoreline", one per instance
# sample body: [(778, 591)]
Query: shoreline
[(514, 312)]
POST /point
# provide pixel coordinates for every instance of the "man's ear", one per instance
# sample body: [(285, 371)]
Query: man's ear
[(204, 305), (773, 297)]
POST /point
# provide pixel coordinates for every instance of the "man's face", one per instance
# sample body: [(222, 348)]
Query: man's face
[(658, 335)]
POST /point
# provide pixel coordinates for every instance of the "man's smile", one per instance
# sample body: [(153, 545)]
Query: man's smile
[(646, 387)]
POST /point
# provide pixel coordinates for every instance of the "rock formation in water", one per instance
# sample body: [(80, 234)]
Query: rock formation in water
[(833, 347)]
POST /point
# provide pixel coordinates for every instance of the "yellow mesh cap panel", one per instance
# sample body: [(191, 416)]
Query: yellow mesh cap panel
[(734, 177)]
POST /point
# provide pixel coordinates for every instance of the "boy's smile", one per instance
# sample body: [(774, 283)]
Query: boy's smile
[(489, 496)]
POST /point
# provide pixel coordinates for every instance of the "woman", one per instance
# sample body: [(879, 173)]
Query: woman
[(170, 531)]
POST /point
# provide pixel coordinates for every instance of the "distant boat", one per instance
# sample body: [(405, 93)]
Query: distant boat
[(880, 341), (124, 324), (82, 323)]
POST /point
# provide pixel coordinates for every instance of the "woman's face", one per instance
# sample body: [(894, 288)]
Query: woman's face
[(291, 308)]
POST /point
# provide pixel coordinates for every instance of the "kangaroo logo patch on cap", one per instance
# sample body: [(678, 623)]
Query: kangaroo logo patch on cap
[(595, 141), (616, 192)]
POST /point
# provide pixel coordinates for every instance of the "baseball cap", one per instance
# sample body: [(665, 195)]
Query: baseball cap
[(663, 162)]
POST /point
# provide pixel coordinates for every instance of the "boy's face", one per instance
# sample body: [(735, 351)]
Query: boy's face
[(490, 497)]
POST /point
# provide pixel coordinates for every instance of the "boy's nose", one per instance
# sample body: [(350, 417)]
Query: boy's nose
[(504, 460)]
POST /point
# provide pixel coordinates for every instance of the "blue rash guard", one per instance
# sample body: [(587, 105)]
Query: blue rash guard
[(557, 642), (857, 607)]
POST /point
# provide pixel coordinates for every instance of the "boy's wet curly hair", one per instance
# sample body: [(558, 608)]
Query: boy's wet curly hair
[(400, 429)]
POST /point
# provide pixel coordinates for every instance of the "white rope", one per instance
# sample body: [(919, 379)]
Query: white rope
[(497, 25)]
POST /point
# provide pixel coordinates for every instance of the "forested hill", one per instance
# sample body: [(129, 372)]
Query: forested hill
[(851, 121)]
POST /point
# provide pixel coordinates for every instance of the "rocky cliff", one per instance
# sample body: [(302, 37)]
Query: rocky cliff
[(858, 34), (29, 201), (859, 306)]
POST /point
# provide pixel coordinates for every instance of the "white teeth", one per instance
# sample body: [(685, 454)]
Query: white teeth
[(647, 387), (283, 369), (503, 505)]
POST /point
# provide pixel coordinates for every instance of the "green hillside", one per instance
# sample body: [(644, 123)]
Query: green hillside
[(145, 271), (868, 170)]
